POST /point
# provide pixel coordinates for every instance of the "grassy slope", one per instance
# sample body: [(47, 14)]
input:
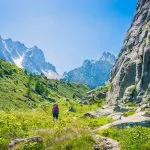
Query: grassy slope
[(14, 88), (17, 120), (71, 131)]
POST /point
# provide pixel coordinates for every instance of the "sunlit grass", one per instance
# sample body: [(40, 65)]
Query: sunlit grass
[(70, 127)]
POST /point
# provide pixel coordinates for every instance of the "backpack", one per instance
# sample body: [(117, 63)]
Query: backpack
[(55, 108)]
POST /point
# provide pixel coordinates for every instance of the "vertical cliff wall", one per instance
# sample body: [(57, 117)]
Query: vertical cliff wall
[(130, 76)]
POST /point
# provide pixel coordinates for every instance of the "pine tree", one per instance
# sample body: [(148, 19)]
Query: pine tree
[(39, 88), (29, 86)]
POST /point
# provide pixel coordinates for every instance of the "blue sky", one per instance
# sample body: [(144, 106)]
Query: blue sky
[(68, 31)]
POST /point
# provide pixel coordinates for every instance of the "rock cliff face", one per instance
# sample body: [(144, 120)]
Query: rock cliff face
[(130, 76)]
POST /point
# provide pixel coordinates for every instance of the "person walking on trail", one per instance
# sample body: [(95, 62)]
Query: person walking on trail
[(55, 111)]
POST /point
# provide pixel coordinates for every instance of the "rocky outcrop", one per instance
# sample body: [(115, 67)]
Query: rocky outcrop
[(100, 112), (103, 143), (130, 76), (146, 114), (137, 119), (112, 111), (143, 107), (96, 95)]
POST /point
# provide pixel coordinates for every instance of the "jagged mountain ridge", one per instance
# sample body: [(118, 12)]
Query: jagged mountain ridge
[(92, 72), (31, 59), (130, 76)]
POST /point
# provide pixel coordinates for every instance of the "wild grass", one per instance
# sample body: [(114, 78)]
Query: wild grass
[(131, 138), (129, 113), (26, 102), (70, 130)]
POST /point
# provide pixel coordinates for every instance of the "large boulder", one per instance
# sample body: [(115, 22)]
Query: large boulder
[(116, 116), (147, 114), (143, 107), (100, 112)]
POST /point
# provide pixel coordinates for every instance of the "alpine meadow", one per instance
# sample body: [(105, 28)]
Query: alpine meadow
[(90, 99)]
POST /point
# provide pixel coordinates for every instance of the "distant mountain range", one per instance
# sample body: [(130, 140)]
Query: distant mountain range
[(93, 72), (31, 59)]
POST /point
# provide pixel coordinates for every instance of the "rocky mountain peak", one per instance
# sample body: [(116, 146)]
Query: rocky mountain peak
[(31, 59), (93, 72), (87, 62), (130, 76), (107, 56), (34, 47)]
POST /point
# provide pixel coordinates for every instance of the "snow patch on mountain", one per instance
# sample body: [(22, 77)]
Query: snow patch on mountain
[(5, 45), (19, 61), (51, 74), (31, 59)]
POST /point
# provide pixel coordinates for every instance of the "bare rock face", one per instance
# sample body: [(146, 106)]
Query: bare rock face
[(130, 76)]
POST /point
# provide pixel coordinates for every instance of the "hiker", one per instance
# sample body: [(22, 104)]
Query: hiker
[(55, 111)]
